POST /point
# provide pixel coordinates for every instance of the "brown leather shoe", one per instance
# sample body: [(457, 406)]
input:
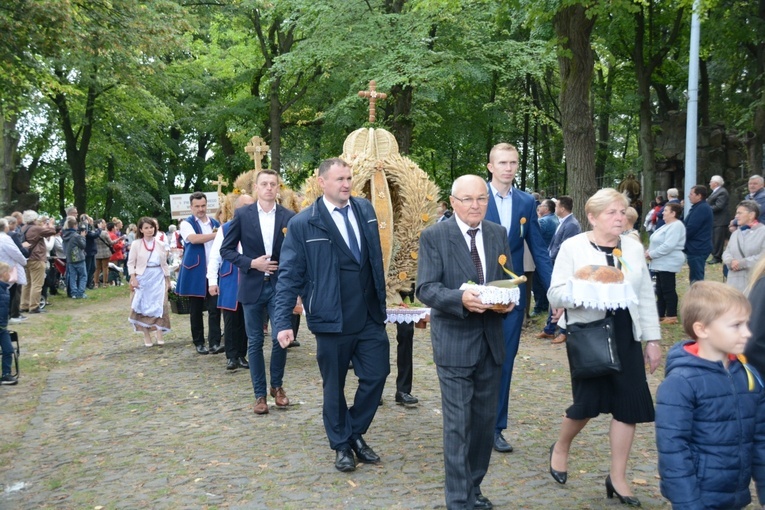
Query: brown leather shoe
[(280, 397), (668, 320), (261, 406), (545, 335), (559, 339)]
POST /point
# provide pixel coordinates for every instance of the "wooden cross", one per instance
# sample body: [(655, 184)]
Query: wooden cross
[(220, 183), (257, 150), (373, 96)]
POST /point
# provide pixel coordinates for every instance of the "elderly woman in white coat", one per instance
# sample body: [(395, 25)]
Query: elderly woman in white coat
[(11, 255), (746, 245), (625, 395), (666, 259)]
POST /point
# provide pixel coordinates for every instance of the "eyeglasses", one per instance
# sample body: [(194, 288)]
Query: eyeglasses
[(470, 201)]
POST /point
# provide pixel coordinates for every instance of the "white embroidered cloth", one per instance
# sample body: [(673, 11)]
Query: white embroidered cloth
[(600, 296), (495, 295), (405, 315)]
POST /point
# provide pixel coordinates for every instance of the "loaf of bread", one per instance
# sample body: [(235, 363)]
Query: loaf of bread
[(600, 274)]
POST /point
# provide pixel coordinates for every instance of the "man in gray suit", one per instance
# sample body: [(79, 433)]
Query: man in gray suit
[(467, 338), (718, 201)]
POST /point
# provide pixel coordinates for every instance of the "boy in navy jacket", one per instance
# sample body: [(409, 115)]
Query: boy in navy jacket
[(710, 408)]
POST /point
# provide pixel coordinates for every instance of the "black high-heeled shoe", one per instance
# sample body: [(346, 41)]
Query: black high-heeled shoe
[(558, 476), (625, 500)]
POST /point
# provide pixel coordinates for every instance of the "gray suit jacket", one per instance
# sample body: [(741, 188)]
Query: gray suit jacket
[(444, 265), (718, 201)]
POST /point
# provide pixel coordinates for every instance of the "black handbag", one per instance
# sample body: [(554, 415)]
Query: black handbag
[(591, 348)]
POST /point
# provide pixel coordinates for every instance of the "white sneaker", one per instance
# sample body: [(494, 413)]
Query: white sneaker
[(16, 320)]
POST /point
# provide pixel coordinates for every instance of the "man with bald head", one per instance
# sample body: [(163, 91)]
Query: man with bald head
[(718, 201), (468, 342)]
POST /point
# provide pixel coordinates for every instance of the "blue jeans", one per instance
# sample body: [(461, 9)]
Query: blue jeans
[(7, 349), (696, 264), (253, 321), (77, 275)]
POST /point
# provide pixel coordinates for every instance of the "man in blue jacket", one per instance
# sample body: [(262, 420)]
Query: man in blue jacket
[(332, 258), (517, 212), (548, 224), (698, 232)]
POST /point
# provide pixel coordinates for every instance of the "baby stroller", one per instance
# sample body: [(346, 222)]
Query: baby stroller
[(115, 274)]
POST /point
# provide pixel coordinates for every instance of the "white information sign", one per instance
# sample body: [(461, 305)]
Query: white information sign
[(180, 208)]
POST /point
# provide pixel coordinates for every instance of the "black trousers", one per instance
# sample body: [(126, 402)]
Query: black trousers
[(719, 234), (15, 294), (404, 348), (666, 294), (197, 306), (295, 324), (234, 333), (369, 349), (90, 264)]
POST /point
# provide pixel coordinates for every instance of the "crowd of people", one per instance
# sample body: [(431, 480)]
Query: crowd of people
[(46, 257), (257, 262)]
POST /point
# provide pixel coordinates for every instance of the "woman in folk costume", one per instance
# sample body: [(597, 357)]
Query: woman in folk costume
[(149, 280)]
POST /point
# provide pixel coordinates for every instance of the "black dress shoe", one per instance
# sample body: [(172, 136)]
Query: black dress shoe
[(216, 349), (344, 460), (558, 476), (232, 364), (293, 343), (500, 444), (625, 500), (405, 399), (482, 502), (364, 452), (201, 349), (243, 362)]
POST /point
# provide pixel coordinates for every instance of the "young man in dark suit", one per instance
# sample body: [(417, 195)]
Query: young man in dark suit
[(332, 258), (468, 342), (260, 228), (568, 226), (517, 212)]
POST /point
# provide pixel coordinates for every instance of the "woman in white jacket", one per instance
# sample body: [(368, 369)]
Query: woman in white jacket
[(624, 395), (746, 245), (666, 259)]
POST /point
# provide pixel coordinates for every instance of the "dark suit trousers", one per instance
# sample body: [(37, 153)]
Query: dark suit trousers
[(468, 404), (511, 329), (404, 348), (197, 306), (369, 349), (719, 234), (234, 333)]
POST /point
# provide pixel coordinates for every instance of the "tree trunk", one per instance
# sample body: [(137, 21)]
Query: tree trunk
[(9, 142), (109, 200), (525, 151), (275, 128), (755, 142), (402, 126), (574, 28), (703, 93), (76, 155), (604, 120)]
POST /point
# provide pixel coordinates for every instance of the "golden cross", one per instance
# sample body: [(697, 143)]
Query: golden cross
[(220, 183), (257, 150), (373, 96)]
